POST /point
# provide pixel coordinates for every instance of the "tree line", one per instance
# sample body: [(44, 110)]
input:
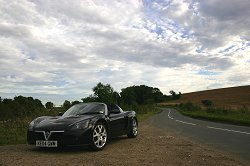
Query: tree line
[(133, 95), (20, 106), (130, 96)]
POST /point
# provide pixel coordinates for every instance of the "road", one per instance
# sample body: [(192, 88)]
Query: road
[(235, 139)]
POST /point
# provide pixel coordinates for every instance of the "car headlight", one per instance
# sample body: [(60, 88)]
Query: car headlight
[(31, 125), (81, 125), (34, 123)]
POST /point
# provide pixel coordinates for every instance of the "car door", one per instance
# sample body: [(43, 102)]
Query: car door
[(117, 120)]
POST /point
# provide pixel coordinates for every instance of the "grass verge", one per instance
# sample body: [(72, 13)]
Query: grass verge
[(231, 117), (14, 131), (223, 115), (144, 116)]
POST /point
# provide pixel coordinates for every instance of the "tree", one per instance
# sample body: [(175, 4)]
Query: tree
[(175, 95), (104, 93), (133, 95), (66, 104), (38, 103), (158, 95), (144, 94), (27, 105), (75, 102), (90, 98), (117, 98), (172, 93), (141, 95), (49, 105), (128, 96), (19, 106)]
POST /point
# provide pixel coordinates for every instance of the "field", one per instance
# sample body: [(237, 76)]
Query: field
[(233, 97)]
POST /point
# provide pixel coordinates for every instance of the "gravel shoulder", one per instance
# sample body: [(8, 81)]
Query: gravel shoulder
[(153, 146)]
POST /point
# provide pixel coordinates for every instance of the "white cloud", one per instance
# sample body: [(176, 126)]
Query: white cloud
[(61, 49)]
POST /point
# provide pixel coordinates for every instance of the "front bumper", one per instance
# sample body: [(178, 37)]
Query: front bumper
[(64, 138)]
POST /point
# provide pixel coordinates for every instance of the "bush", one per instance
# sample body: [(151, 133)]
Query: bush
[(19, 107), (244, 109), (210, 110), (189, 106), (207, 103), (49, 105)]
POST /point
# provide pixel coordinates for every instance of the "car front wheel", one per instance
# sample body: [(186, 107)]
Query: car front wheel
[(99, 136)]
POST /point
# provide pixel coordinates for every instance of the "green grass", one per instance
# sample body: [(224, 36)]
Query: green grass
[(14, 131), (231, 117), (144, 116), (224, 115), (143, 111)]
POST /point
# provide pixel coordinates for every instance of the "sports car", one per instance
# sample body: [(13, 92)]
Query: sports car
[(83, 124)]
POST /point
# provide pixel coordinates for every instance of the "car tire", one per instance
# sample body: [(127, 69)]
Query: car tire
[(133, 129), (99, 136)]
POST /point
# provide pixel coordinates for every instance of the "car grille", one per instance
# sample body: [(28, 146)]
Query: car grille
[(56, 136)]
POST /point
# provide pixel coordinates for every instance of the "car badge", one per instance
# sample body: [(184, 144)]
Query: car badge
[(47, 134)]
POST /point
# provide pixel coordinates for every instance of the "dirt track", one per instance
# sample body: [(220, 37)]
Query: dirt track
[(152, 147)]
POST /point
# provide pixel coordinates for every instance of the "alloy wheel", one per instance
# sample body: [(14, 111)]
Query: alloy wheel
[(99, 136)]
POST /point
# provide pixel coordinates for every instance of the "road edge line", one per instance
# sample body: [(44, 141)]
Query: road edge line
[(169, 111), (216, 128), (185, 122)]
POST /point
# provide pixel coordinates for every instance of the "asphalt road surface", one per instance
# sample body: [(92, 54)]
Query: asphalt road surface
[(232, 138)]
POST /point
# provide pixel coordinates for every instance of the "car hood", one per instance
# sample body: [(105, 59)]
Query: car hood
[(60, 123)]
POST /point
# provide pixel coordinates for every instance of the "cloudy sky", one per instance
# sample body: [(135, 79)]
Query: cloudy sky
[(60, 49)]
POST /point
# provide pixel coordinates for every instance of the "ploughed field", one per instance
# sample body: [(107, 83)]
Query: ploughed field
[(152, 147), (233, 97)]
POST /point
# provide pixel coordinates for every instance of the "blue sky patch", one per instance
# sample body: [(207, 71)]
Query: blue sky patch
[(207, 73)]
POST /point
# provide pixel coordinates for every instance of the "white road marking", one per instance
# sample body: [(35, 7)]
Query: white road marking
[(169, 114), (242, 132), (185, 122), (169, 111)]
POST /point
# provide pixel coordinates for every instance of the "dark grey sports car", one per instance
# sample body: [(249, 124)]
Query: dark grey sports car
[(83, 124)]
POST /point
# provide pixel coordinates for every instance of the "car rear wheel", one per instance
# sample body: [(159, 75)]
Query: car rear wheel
[(133, 129), (99, 136)]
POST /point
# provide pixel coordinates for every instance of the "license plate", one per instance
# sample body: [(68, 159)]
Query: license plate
[(41, 143)]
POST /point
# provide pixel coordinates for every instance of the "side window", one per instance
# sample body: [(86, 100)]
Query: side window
[(113, 109)]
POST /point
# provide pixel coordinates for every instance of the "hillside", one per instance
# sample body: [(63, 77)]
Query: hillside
[(234, 97)]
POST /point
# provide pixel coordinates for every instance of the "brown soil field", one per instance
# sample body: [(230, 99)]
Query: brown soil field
[(233, 97)]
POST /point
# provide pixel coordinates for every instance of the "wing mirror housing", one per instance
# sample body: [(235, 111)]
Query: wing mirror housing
[(114, 111), (60, 113)]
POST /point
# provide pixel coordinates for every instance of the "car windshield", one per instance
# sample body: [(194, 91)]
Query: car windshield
[(85, 108)]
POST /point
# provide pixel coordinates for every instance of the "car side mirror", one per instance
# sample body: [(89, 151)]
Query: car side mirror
[(114, 111), (60, 113)]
